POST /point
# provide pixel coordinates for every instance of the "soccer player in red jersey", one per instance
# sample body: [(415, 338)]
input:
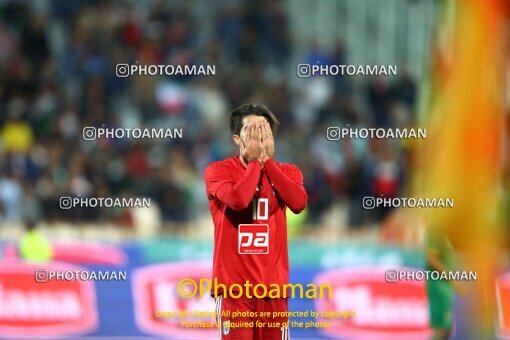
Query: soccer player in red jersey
[(248, 197)]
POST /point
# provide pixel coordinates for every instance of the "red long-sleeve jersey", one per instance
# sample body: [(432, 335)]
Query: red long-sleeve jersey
[(248, 208)]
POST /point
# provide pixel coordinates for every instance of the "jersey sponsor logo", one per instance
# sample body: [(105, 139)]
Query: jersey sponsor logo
[(50, 309), (253, 239), (382, 310)]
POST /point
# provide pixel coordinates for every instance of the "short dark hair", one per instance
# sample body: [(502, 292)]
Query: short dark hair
[(235, 120)]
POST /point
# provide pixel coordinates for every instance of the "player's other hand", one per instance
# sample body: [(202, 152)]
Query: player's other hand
[(267, 141), (251, 147)]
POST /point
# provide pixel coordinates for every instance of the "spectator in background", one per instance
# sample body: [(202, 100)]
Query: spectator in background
[(11, 197), (379, 97), (34, 43), (16, 134), (31, 207), (33, 246), (405, 90)]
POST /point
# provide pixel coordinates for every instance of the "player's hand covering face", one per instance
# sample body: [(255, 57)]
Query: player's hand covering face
[(251, 146), (267, 140)]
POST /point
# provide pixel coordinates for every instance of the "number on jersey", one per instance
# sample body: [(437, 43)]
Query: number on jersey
[(260, 209)]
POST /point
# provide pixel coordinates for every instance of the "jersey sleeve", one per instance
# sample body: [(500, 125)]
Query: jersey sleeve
[(222, 185), (287, 181)]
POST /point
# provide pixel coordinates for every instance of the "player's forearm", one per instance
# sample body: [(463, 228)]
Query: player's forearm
[(239, 195), (292, 193)]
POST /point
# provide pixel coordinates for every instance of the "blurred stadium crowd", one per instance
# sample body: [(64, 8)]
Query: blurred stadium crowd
[(57, 75)]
